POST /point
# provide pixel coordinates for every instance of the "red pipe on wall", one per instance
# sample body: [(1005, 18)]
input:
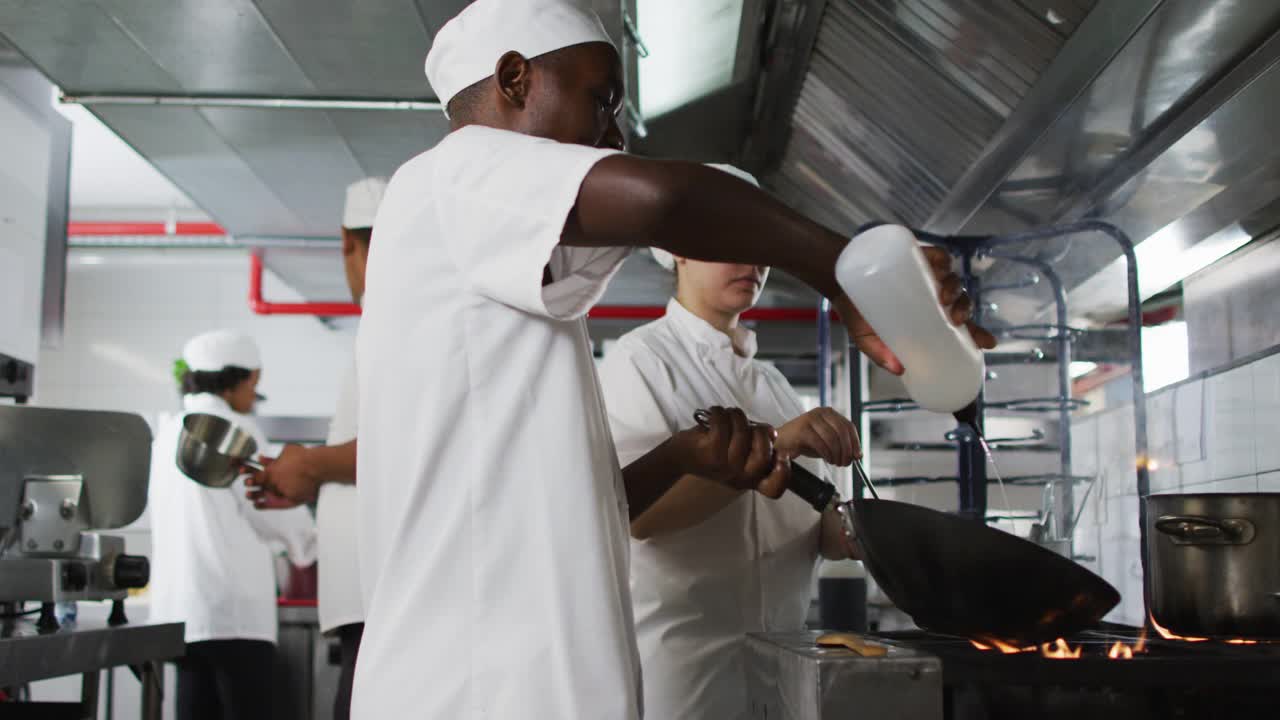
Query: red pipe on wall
[(602, 312), (143, 228), (262, 306)]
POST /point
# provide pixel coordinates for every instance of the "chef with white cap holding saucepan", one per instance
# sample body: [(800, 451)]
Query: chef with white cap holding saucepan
[(212, 551), (710, 564), (493, 512), (326, 474)]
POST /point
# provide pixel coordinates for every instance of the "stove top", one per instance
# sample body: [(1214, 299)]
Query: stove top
[(1165, 680), (1159, 663)]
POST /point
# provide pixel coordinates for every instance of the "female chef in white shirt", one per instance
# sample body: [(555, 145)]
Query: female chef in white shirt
[(709, 563), (212, 559)]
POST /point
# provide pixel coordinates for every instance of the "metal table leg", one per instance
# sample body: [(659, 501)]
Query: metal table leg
[(89, 695), (151, 674)]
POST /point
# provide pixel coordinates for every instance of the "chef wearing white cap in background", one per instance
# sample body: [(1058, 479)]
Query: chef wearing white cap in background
[(493, 513), (326, 475), (710, 564), (212, 551)]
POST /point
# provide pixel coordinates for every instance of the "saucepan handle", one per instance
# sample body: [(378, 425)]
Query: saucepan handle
[(251, 465), (1195, 529)]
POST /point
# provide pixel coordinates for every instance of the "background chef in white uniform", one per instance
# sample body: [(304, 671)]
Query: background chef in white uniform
[(212, 558), (326, 475), (708, 563), (493, 514)]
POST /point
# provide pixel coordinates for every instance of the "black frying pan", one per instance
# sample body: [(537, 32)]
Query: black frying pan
[(958, 576)]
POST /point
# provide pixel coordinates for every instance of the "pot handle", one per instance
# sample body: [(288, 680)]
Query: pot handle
[(1194, 529)]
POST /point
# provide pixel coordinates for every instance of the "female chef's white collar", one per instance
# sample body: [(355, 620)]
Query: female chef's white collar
[(742, 343)]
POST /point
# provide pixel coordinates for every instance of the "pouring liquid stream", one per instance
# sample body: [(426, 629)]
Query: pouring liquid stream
[(968, 415)]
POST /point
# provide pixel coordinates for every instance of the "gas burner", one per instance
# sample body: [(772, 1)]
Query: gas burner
[(1164, 679)]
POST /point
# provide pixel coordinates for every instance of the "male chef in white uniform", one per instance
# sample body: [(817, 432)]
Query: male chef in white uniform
[(493, 514), (326, 474)]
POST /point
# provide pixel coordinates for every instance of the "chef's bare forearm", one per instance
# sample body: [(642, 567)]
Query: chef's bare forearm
[(650, 477), (699, 212), (333, 463), (690, 502)]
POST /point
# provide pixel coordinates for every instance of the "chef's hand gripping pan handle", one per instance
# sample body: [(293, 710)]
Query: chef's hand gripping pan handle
[(819, 493), (812, 489)]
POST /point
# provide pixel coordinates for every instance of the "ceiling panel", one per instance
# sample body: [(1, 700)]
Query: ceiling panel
[(435, 13), (80, 47), (222, 47), (297, 153), (356, 49), (182, 145), (383, 141)]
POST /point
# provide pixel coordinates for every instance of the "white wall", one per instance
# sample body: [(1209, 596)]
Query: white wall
[(128, 314), (130, 311), (1207, 435)]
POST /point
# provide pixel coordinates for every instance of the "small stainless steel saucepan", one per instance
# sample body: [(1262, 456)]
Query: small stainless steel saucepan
[(214, 452), (1212, 564)]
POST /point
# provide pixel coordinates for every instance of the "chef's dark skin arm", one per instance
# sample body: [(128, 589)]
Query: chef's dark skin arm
[(296, 476), (573, 95), (702, 213)]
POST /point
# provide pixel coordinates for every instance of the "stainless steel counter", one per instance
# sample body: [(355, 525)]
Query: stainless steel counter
[(84, 648)]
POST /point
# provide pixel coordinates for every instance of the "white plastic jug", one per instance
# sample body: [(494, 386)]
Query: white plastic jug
[(888, 278)]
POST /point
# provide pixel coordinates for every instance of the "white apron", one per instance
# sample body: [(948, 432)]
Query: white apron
[(749, 567), (211, 564), (493, 524), (337, 517)]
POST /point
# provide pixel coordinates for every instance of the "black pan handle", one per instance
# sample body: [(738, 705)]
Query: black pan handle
[(811, 488)]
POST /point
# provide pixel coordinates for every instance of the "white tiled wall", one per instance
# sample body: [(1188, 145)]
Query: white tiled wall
[(1216, 435), (1229, 426), (1266, 398), (129, 312)]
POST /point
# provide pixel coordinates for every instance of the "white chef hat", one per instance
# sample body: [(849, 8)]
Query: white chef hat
[(666, 259), (363, 198), (215, 350), (467, 48)]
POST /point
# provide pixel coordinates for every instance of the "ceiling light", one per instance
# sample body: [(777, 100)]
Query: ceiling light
[(692, 49)]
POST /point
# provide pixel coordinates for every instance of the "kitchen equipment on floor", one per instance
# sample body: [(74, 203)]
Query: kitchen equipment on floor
[(1214, 564), (213, 451), (62, 474)]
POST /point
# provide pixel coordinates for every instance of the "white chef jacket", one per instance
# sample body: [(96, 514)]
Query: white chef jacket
[(493, 522), (211, 563), (337, 518), (749, 567)]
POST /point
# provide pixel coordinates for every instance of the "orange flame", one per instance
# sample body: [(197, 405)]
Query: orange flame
[(1004, 647), (1120, 651), (1060, 650), (1124, 651), (1167, 635), (1243, 641)]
